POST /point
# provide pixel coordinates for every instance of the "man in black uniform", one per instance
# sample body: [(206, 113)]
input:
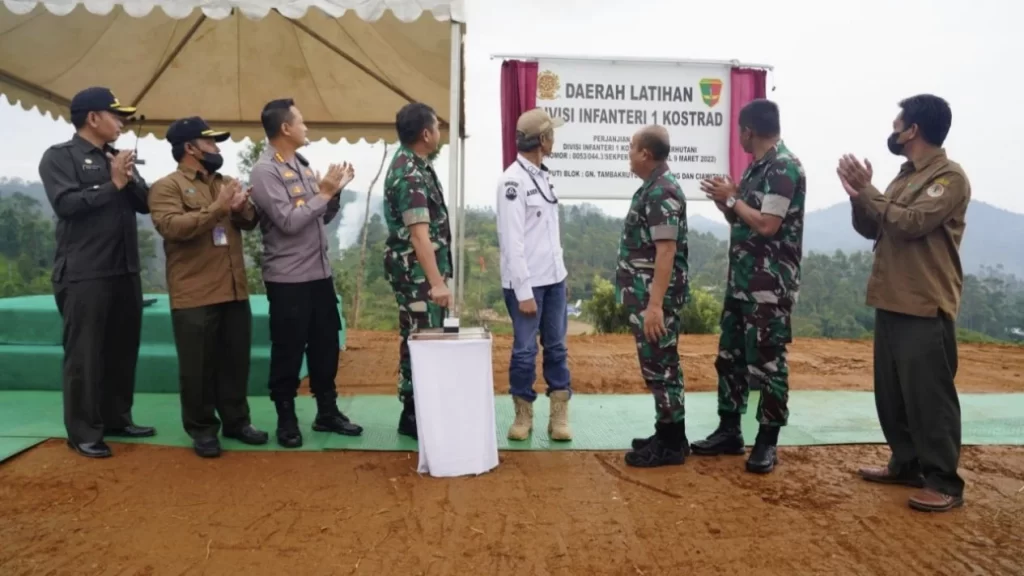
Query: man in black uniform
[(95, 192)]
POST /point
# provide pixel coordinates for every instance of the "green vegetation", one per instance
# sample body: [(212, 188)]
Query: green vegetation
[(831, 301)]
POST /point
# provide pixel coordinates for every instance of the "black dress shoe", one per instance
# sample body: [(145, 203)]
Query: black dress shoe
[(206, 446), (248, 435), (92, 449), (131, 431)]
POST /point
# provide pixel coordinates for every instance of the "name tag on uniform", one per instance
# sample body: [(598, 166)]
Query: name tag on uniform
[(220, 236)]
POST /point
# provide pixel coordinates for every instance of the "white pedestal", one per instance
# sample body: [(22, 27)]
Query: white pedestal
[(454, 391)]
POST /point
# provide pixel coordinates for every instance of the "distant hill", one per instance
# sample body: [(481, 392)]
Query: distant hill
[(994, 236)]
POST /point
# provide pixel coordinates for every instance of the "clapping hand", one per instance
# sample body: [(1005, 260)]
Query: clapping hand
[(122, 167), (854, 175), (239, 196), (718, 188), (348, 172), (330, 184)]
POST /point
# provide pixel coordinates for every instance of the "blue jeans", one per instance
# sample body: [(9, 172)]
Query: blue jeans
[(551, 322)]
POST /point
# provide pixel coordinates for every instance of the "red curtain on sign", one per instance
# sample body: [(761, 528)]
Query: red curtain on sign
[(745, 84), (518, 94)]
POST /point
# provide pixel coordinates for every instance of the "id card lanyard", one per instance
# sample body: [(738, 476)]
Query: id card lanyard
[(539, 188)]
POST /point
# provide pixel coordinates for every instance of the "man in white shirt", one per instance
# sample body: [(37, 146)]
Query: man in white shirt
[(533, 276)]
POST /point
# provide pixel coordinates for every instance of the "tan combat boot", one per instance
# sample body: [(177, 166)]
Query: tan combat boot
[(558, 423), (520, 429)]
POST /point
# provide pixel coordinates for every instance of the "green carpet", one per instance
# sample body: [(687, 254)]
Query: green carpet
[(10, 447), (31, 353), (599, 421)]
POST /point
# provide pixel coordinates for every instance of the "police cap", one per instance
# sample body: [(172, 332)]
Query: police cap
[(98, 99)]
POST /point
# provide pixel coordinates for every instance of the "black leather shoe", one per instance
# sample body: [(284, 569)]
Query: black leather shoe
[(206, 447), (336, 422), (92, 449), (407, 421), (288, 434), (764, 456), (248, 435), (131, 431), (726, 439), (668, 447)]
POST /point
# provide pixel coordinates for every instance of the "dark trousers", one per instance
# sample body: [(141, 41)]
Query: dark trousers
[(918, 407), (551, 322), (214, 345), (102, 328), (304, 319)]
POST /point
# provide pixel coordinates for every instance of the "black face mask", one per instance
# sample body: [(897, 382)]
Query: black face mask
[(894, 145), (211, 162)]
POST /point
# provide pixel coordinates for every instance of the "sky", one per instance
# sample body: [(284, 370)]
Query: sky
[(839, 72)]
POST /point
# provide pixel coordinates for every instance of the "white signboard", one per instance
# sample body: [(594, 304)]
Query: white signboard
[(605, 103)]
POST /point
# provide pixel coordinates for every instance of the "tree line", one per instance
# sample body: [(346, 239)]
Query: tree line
[(831, 303)]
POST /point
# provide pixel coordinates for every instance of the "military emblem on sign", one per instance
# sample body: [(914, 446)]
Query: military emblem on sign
[(511, 193), (710, 91), (548, 85)]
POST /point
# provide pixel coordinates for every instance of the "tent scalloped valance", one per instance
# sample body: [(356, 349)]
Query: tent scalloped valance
[(368, 10)]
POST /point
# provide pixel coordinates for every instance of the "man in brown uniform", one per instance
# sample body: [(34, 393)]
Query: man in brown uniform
[(200, 214), (915, 287)]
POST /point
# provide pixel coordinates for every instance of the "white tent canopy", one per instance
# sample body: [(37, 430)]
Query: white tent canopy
[(349, 64)]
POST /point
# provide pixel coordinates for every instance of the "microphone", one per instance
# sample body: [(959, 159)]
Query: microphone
[(138, 134)]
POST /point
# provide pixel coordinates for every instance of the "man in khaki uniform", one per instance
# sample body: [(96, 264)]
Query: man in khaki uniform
[(915, 287), (200, 214)]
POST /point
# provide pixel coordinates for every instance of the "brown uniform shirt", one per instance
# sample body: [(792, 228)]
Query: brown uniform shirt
[(917, 226), (201, 270)]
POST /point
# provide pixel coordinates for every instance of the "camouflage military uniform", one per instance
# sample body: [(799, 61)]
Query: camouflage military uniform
[(657, 212), (413, 195), (763, 281)]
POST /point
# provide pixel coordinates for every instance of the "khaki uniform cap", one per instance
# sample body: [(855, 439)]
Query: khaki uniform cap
[(536, 122)]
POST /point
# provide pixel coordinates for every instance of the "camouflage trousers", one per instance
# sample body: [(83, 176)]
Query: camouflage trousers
[(415, 310), (659, 364), (753, 346)]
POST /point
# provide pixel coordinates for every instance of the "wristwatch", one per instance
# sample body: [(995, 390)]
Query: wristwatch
[(730, 202)]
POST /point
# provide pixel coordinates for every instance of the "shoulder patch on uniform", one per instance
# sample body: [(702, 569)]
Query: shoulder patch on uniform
[(935, 190), (512, 183), (511, 193), (942, 181)]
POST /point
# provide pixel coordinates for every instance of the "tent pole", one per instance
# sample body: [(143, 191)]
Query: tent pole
[(462, 221), (454, 133)]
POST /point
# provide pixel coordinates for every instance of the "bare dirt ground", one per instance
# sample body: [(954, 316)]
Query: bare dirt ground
[(154, 510), (607, 364)]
